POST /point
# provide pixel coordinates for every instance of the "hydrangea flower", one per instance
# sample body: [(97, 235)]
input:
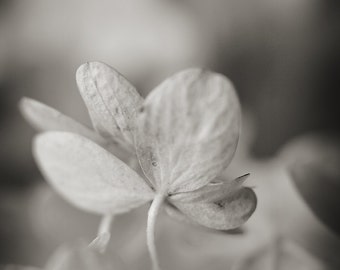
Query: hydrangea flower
[(184, 134)]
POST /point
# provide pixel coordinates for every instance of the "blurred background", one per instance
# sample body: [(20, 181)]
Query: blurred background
[(282, 56)]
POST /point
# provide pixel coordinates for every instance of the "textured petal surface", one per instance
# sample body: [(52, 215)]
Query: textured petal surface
[(188, 130), (87, 175), (111, 100), (225, 213), (45, 118), (177, 215), (212, 192)]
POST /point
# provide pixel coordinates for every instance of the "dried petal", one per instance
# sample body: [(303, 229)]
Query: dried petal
[(87, 175), (188, 130), (111, 100), (212, 192), (224, 214), (174, 213), (45, 118)]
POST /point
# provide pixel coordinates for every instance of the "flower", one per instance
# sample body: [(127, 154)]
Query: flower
[(184, 133)]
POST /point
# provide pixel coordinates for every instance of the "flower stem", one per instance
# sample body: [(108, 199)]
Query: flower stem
[(103, 237), (150, 230)]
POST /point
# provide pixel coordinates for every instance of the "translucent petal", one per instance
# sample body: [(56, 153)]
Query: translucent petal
[(188, 130), (224, 214), (87, 175), (45, 118), (111, 100)]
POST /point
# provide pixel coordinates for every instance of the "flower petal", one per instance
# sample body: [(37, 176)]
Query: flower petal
[(111, 100), (87, 175), (46, 118), (225, 214), (212, 192), (188, 130), (174, 213)]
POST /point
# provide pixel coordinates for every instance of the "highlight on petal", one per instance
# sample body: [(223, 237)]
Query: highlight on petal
[(111, 101), (187, 130), (223, 214), (46, 118), (87, 175)]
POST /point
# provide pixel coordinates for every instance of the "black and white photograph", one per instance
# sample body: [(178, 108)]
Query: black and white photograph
[(170, 135)]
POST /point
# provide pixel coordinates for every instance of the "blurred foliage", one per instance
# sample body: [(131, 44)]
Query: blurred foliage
[(281, 254), (314, 164)]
